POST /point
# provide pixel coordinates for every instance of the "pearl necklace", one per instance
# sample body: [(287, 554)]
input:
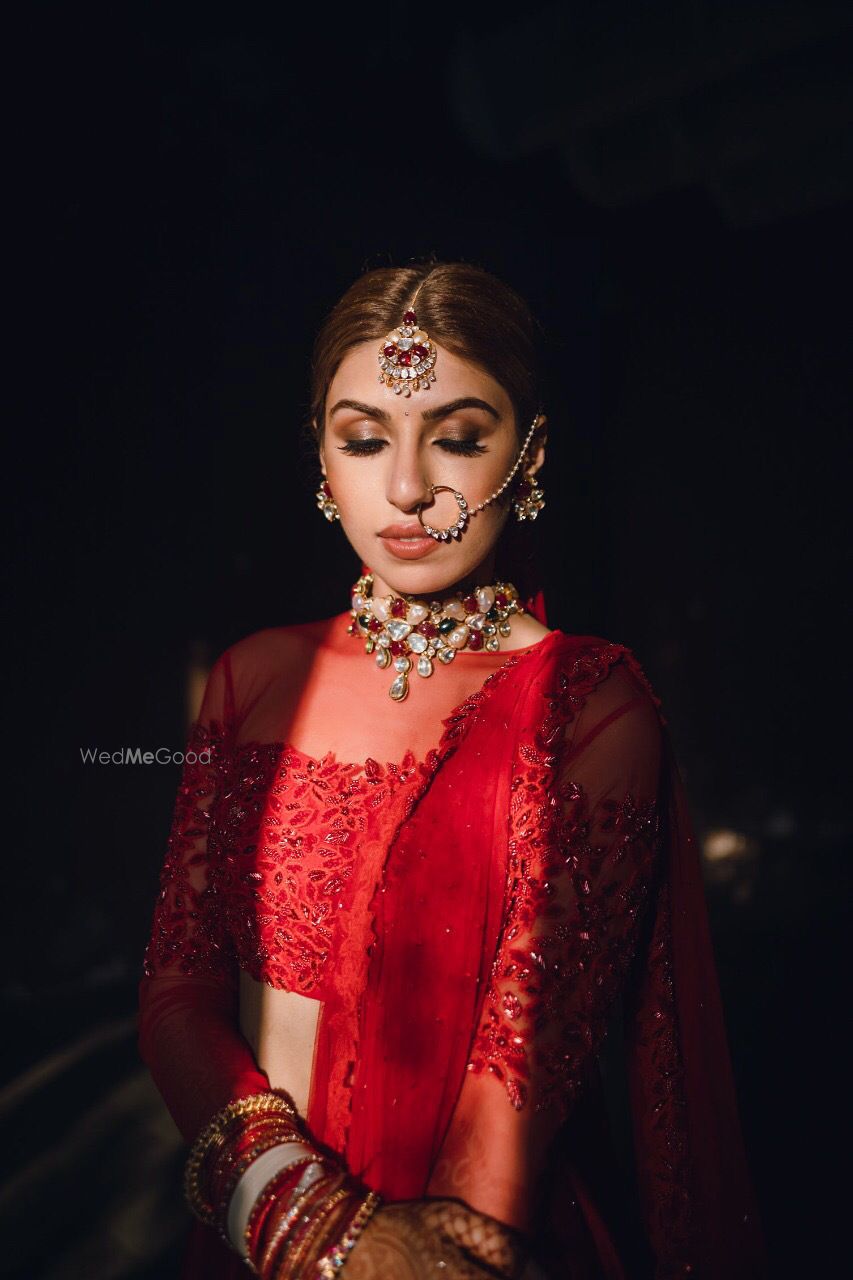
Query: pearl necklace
[(400, 629)]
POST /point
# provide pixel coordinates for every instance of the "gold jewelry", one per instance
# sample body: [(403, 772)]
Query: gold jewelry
[(407, 357), (331, 1262), (326, 502), (298, 1201), (213, 1137), (271, 1189), (319, 1215), (400, 629), (529, 498)]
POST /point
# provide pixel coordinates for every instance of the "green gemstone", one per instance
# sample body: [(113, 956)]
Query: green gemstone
[(364, 619), (493, 614), (446, 625)]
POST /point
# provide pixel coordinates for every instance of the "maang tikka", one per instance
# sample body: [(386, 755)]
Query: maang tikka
[(407, 358)]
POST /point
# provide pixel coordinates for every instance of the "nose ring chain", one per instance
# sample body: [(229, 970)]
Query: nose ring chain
[(454, 530)]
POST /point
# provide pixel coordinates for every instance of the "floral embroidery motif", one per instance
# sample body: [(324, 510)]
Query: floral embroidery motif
[(578, 878), (273, 860)]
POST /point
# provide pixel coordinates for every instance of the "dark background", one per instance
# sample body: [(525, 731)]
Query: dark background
[(669, 186)]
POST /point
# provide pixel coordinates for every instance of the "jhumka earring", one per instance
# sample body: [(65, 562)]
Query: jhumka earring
[(529, 498), (326, 502)]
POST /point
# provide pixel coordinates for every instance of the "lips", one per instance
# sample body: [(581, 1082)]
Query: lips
[(410, 529), (407, 541)]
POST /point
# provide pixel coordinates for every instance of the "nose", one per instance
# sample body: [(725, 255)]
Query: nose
[(408, 484)]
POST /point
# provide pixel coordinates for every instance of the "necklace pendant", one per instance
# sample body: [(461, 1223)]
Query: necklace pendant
[(400, 687)]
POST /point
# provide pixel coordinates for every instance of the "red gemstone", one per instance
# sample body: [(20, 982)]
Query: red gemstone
[(390, 350), (524, 487), (326, 489), (410, 318), (501, 600), (398, 608), (420, 351), (405, 357), (470, 604), (397, 647), (428, 629), (374, 625), (475, 640)]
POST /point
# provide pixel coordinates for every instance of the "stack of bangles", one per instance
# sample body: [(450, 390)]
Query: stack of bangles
[(254, 1175)]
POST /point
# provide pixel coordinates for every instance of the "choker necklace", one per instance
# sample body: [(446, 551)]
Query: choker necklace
[(406, 629)]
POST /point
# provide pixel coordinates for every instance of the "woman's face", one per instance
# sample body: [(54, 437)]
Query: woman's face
[(383, 451)]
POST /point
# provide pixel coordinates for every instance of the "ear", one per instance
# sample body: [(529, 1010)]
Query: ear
[(536, 449), (321, 451)]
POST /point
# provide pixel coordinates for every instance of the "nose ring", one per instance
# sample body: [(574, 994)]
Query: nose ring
[(453, 530)]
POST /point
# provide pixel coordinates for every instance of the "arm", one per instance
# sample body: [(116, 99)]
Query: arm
[(583, 850), (187, 1018)]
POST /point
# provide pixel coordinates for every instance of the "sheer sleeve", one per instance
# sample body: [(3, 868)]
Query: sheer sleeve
[(188, 1030), (583, 872), (583, 847)]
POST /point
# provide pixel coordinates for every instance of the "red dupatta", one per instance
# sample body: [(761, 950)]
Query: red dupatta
[(437, 919)]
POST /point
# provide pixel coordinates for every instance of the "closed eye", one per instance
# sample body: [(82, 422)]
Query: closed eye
[(364, 448)]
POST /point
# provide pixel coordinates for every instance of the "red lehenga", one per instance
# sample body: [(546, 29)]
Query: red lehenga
[(467, 902)]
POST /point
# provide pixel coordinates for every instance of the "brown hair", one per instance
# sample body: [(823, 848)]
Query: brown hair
[(463, 307)]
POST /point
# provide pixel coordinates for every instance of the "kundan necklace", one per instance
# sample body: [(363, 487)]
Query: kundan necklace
[(406, 630)]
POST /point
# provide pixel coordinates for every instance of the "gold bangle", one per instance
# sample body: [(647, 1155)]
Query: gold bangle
[(332, 1261), (299, 1221), (213, 1136), (267, 1192), (290, 1271), (240, 1166), (291, 1213)]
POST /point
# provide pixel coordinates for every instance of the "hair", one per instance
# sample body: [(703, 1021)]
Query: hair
[(463, 307)]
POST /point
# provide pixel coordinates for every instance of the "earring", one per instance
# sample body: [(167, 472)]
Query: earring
[(529, 498), (326, 502)]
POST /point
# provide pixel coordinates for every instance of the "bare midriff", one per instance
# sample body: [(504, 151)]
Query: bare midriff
[(281, 1028)]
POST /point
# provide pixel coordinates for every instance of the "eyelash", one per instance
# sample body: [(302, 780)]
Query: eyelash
[(466, 447)]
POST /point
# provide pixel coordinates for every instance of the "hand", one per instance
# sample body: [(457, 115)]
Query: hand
[(435, 1239)]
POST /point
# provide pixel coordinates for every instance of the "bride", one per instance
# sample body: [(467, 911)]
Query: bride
[(421, 850)]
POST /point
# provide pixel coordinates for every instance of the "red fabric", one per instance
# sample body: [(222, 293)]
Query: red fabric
[(536, 606), (537, 865)]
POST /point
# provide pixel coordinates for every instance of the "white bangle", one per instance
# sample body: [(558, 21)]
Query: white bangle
[(252, 1183)]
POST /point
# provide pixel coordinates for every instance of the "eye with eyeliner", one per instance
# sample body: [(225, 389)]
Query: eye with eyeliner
[(364, 448)]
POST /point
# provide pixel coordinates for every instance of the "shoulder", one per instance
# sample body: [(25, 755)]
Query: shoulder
[(588, 663), (275, 650)]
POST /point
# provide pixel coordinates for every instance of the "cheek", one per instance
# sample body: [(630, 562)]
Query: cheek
[(352, 490)]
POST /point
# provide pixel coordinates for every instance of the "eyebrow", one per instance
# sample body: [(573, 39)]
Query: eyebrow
[(427, 415)]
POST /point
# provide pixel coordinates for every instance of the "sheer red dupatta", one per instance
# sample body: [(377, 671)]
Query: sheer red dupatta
[(438, 917), (683, 1095)]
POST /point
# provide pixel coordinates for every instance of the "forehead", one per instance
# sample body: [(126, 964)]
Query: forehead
[(357, 377)]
